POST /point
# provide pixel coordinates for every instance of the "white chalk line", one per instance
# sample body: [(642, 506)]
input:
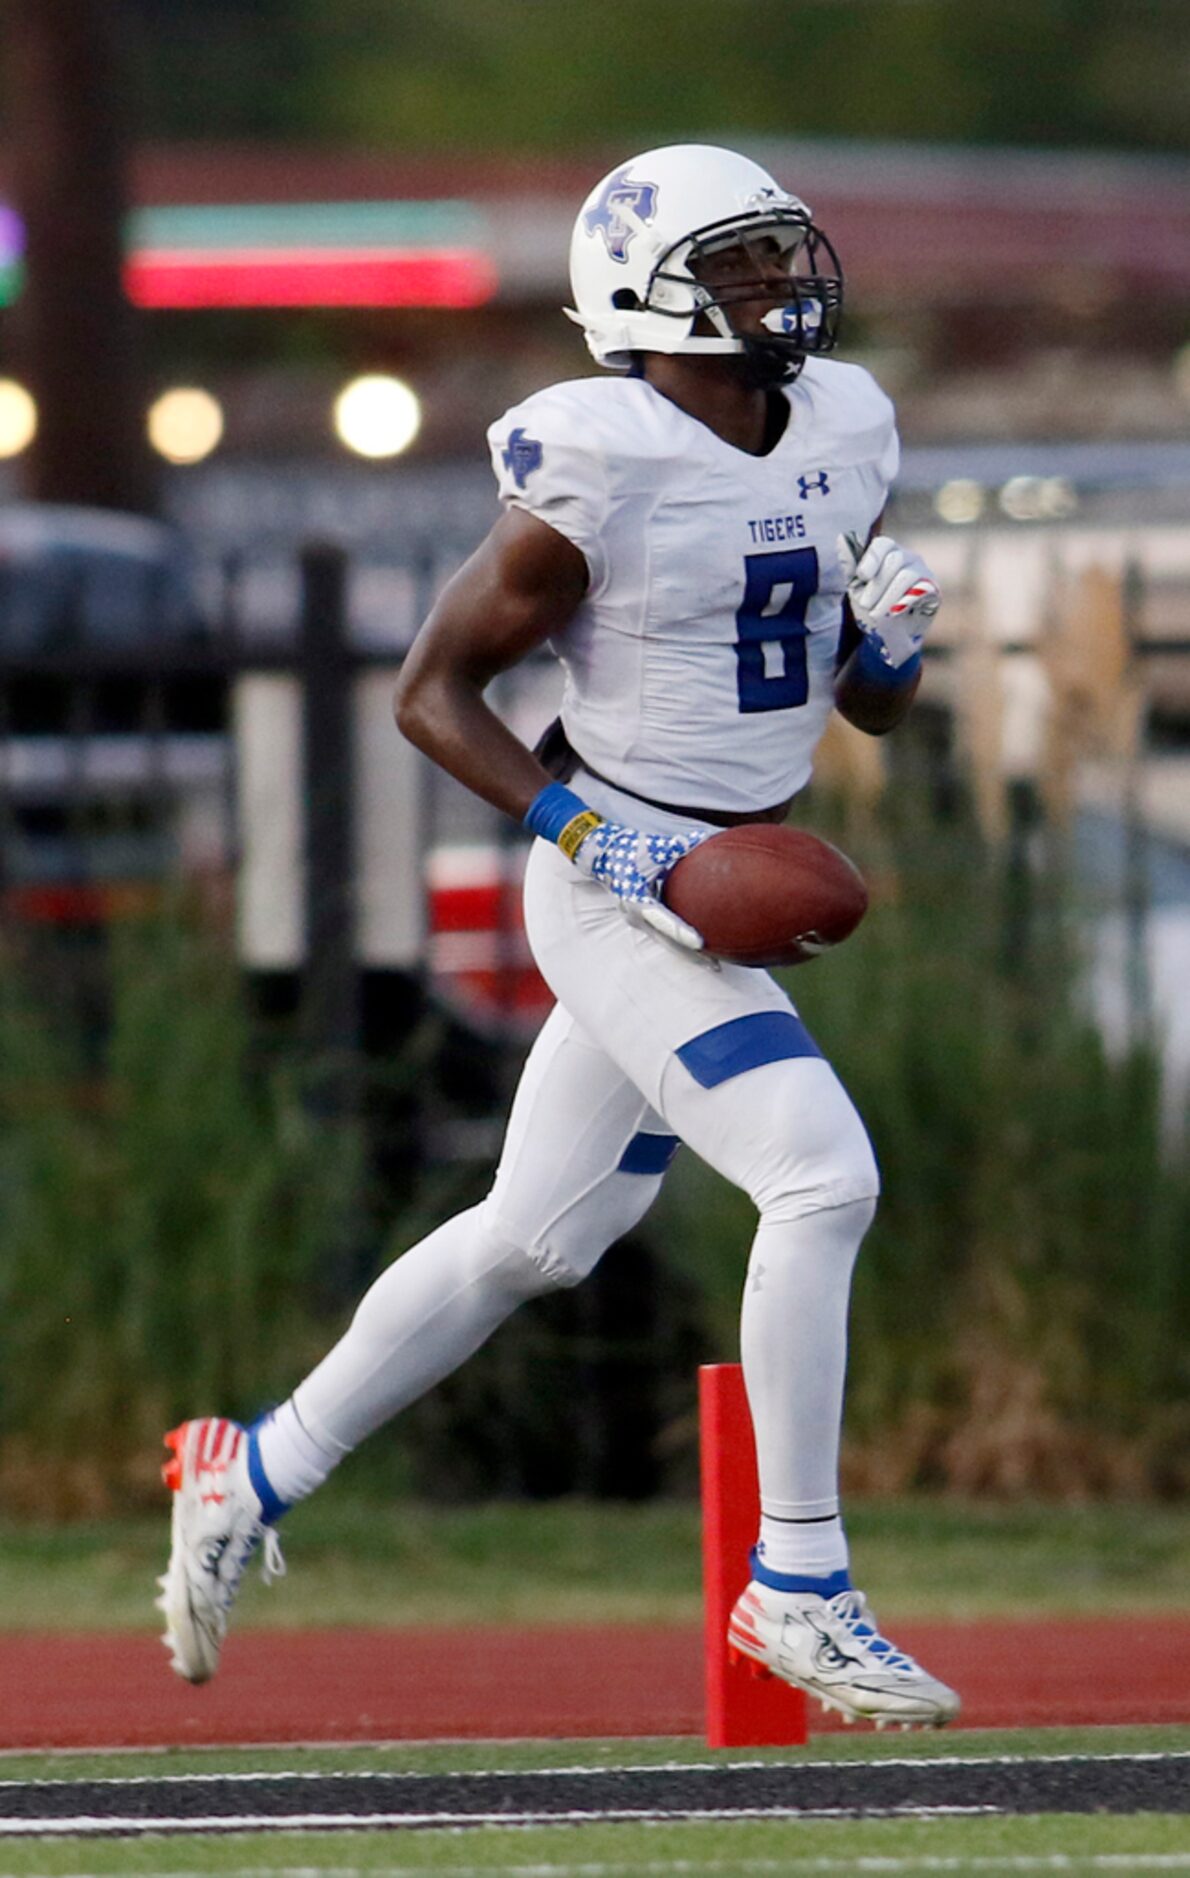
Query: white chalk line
[(611, 1768), (100, 1825)]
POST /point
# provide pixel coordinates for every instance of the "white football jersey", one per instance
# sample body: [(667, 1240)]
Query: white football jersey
[(699, 666)]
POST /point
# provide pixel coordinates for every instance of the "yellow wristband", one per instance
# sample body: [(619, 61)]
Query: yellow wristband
[(576, 831)]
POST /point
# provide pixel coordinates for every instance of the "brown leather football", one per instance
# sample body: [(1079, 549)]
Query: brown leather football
[(763, 894)]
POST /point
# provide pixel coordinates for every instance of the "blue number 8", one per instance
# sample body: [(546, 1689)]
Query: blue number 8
[(777, 590)]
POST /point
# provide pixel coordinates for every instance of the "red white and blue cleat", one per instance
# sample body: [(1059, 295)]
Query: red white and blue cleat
[(831, 1648), (217, 1527)]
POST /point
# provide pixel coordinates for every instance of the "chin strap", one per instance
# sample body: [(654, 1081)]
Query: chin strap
[(769, 362), (768, 365)]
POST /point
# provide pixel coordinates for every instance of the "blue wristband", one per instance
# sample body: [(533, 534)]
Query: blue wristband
[(874, 668), (553, 810)]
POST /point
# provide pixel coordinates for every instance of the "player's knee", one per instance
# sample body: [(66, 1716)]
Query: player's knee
[(566, 1249), (821, 1157), (575, 1245), (497, 1257)]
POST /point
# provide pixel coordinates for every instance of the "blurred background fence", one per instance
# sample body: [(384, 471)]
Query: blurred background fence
[(265, 279)]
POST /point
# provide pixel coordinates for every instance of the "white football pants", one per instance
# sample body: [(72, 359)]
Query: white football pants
[(646, 1042)]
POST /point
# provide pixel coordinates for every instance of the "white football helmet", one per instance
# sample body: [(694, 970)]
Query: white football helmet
[(642, 233)]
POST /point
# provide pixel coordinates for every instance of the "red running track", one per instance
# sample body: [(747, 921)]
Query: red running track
[(107, 1689)]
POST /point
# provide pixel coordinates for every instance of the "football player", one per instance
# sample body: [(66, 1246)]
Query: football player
[(699, 539)]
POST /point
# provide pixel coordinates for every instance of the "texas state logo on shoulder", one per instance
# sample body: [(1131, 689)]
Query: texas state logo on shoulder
[(521, 456), (622, 205)]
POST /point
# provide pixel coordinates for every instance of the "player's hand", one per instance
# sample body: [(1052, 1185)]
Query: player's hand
[(892, 592), (632, 866)]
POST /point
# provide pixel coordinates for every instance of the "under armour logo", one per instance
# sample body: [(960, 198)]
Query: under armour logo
[(608, 217), (522, 455), (814, 485)]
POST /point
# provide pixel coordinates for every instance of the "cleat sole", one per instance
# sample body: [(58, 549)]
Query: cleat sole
[(741, 1659)]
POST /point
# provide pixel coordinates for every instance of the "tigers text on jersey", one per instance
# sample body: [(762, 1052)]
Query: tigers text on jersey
[(699, 666)]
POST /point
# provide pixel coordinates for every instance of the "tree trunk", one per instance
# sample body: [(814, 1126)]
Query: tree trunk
[(78, 337)]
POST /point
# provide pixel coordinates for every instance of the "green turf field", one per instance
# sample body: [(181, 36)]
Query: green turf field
[(658, 1751), (1063, 1845), (354, 1562), (1054, 1843)]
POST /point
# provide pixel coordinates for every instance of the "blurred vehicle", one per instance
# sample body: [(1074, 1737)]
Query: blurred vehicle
[(477, 951), (71, 576), (114, 763)]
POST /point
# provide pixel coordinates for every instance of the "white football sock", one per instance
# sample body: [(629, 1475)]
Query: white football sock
[(294, 1462), (803, 1549), (793, 1346)]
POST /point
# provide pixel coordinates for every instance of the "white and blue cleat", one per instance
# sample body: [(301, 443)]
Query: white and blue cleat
[(831, 1648), (217, 1527)]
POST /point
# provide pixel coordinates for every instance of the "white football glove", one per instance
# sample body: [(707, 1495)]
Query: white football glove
[(632, 866), (892, 592)]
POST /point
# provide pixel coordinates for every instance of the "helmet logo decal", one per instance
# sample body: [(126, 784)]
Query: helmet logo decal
[(522, 456), (608, 219)]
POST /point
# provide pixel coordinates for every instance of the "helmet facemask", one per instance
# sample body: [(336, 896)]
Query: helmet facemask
[(772, 258)]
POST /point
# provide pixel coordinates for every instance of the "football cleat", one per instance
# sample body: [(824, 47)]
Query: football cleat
[(216, 1528), (831, 1648)]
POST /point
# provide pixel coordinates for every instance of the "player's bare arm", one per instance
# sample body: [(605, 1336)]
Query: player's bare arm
[(891, 599), (522, 584), (870, 706)]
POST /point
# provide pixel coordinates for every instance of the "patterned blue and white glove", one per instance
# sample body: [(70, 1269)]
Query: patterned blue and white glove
[(892, 592), (631, 864)]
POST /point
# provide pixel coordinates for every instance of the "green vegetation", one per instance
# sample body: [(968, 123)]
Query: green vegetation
[(165, 1212), (355, 1562), (522, 75)]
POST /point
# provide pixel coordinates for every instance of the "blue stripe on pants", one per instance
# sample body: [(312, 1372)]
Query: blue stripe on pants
[(648, 1154), (745, 1043)]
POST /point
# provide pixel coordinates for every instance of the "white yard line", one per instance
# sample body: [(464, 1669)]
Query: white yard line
[(103, 1825), (565, 1773)]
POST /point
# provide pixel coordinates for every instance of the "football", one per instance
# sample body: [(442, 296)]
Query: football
[(763, 894)]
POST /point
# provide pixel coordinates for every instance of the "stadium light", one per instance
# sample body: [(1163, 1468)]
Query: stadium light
[(377, 416), (960, 500), (1038, 498), (185, 424), (18, 418)]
